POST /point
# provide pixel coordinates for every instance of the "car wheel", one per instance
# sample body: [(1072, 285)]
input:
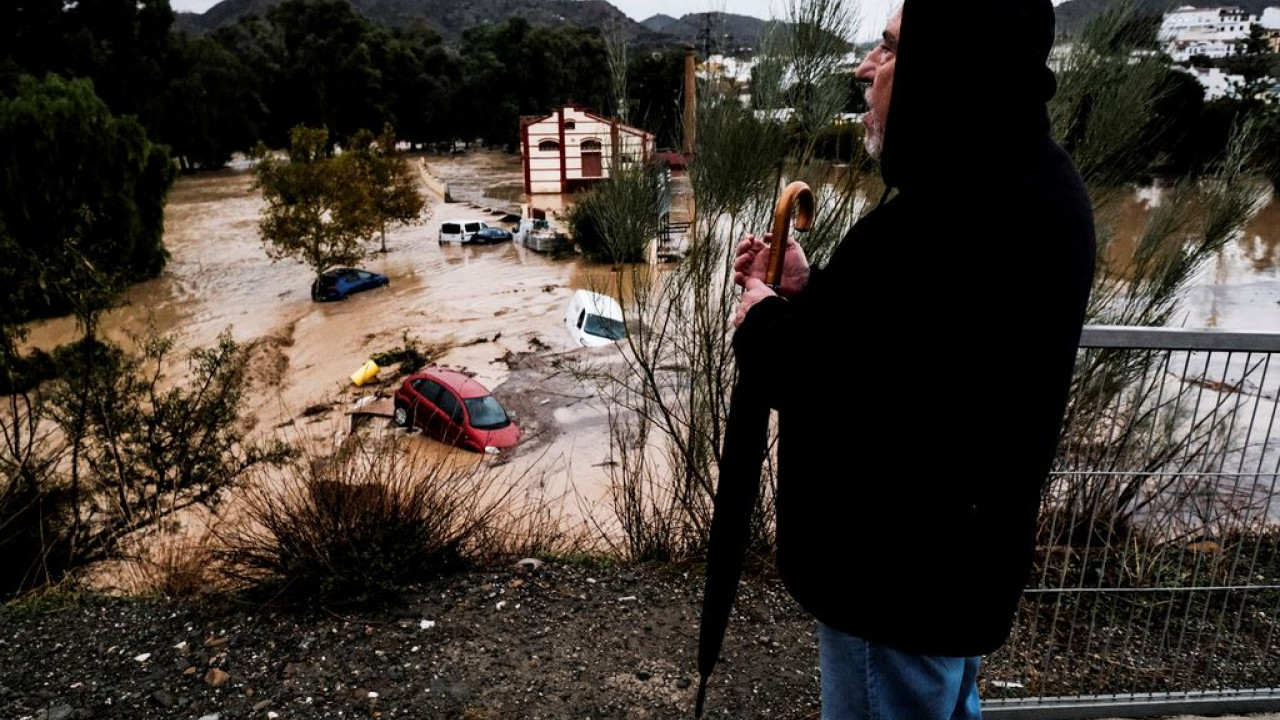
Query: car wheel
[(401, 416)]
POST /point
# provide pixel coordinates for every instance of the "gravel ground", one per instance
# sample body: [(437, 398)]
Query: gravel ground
[(559, 641), (534, 641)]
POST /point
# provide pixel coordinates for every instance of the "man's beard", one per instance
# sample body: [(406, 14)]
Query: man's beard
[(873, 134)]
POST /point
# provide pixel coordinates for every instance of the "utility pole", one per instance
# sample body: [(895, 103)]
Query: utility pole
[(690, 101)]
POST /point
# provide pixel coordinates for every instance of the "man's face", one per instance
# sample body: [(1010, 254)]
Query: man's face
[(877, 69)]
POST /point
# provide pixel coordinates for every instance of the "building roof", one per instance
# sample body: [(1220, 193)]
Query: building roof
[(530, 119)]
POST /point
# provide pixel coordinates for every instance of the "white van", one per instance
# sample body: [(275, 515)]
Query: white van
[(593, 319), (460, 231)]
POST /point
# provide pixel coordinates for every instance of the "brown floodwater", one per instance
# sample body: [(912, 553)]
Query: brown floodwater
[(485, 303), (1240, 288), (482, 302)]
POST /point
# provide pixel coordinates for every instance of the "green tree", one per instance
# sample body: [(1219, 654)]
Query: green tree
[(513, 68), (655, 83), (73, 171), (211, 105), (317, 202), (425, 78), (390, 184), (326, 67), (121, 45)]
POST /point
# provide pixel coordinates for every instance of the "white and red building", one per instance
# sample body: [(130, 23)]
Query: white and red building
[(572, 148)]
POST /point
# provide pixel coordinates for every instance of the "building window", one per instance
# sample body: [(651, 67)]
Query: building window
[(549, 146), (590, 145), (569, 124)]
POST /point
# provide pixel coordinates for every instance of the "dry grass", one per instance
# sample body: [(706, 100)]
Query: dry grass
[(362, 524), (174, 564)]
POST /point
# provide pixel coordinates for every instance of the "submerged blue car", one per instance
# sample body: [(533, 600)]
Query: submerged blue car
[(491, 235), (338, 283)]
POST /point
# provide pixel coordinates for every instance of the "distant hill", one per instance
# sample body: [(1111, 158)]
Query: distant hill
[(659, 23), (725, 33), (450, 17), (722, 32), (1073, 14)]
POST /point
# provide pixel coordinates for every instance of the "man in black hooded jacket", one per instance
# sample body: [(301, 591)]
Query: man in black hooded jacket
[(929, 510)]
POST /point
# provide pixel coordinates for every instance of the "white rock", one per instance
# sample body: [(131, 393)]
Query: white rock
[(143, 657), (373, 695), (501, 604), (427, 624)]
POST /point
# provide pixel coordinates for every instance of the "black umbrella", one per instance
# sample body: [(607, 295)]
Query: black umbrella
[(745, 441)]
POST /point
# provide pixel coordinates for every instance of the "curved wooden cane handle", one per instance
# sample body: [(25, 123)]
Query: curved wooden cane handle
[(797, 198)]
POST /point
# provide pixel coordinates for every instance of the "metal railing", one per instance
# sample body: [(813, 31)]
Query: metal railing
[(1156, 585)]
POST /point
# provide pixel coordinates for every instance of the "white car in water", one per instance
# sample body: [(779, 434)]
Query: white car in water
[(461, 230), (593, 319)]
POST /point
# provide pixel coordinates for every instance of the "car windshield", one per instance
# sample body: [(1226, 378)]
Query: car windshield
[(604, 327), (486, 413)]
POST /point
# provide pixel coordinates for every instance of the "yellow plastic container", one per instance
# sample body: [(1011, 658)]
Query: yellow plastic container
[(367, 372)]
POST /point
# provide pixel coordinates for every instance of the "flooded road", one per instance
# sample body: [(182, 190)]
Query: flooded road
[(1240, 290), (484, 304)]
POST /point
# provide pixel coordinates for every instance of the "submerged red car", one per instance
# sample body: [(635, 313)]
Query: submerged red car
[(454, 408)]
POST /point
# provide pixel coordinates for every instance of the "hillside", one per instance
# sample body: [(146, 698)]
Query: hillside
[(450, 17), (723, 32)]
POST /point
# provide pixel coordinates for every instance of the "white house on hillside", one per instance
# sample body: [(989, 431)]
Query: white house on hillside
[(1213, 32), (1270, 23), (572, 148), (1216, 83)]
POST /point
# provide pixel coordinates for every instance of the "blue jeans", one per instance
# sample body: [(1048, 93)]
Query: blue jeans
[(866, 681)]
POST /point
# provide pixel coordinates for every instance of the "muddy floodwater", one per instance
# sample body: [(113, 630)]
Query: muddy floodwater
[(486, 304)]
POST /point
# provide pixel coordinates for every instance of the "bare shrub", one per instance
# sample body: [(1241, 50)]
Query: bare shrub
[(365, 523), (670, 388), (114, 448), (1142, 423), (175, 564)]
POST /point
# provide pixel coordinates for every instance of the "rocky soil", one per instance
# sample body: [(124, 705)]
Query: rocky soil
[(561, 640)]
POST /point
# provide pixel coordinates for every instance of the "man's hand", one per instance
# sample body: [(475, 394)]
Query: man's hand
[(751, 260), (753, 292)]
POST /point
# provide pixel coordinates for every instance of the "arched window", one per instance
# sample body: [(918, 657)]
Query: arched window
[(569, 124), (549, 146), (592, 145)]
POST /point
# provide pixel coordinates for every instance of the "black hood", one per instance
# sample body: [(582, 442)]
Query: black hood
[(970, 89)]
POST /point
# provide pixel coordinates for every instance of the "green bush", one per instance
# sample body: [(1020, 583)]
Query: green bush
[(616, 220)]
